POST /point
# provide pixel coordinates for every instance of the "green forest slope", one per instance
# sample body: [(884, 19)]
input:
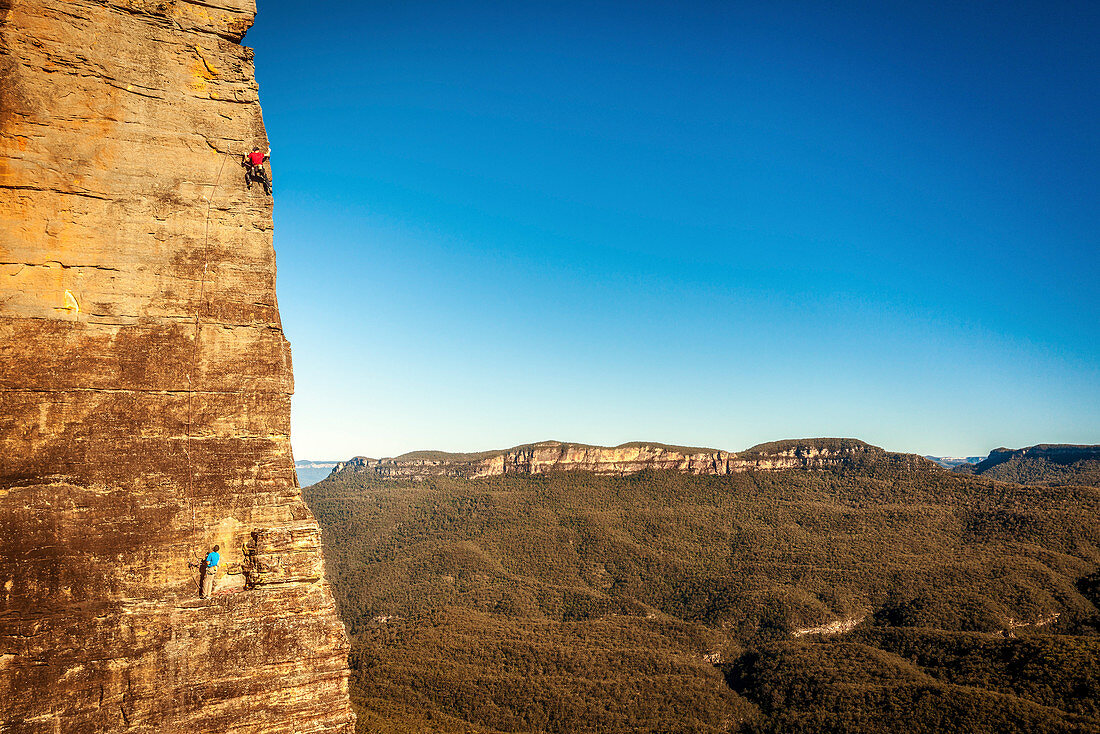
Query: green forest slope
[(1042, 464), (664, 602)]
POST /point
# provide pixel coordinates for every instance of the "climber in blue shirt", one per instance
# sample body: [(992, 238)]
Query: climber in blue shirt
[(209, 572)]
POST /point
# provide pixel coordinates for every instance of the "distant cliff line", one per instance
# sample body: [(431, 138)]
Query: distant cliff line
[(627, 458)]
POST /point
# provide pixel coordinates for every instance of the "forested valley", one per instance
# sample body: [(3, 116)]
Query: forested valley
[(882, 596)]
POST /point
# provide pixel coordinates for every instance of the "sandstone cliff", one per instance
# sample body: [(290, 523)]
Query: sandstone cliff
[(145, 386), (628, 458)]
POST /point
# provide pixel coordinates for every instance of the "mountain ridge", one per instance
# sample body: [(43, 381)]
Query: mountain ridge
[(1044, 463), (626, 458), (950, 462)]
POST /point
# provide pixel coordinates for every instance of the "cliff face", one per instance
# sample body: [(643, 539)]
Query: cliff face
[(145, 388), (543, 457), (625, 459)]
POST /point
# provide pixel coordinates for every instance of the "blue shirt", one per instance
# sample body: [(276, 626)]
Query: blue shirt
[(212, 559)]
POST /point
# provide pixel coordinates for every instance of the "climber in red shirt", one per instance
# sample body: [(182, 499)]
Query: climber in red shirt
[(255, 171)]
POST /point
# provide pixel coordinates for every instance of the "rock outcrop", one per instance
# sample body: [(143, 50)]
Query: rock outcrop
[(628, 458), (145, 388), (545, 456)]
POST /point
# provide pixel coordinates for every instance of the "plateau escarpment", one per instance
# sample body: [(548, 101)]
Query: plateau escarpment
[(145, 388), (1041, 464), (627, 458)]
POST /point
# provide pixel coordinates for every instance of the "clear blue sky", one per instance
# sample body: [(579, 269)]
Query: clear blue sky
[(692, 222)]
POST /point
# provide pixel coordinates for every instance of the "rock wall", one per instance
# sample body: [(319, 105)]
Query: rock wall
[(544, 457), (628, 458), (145, 388)]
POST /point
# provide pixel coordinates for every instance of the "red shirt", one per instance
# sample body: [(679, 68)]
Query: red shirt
[(256, 157)]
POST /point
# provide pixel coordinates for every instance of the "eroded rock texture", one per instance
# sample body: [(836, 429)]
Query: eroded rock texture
[(628, 458), (145, 386)]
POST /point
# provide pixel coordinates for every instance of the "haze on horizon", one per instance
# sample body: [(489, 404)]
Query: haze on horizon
[(697, 223)]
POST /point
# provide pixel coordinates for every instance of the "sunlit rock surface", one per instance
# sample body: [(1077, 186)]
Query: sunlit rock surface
[(145, 388), (629, 458)]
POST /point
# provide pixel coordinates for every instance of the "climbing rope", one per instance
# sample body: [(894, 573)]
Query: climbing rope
[(195, 344)]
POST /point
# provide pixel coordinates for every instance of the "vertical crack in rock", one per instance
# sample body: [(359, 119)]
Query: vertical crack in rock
[(145, 388)]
